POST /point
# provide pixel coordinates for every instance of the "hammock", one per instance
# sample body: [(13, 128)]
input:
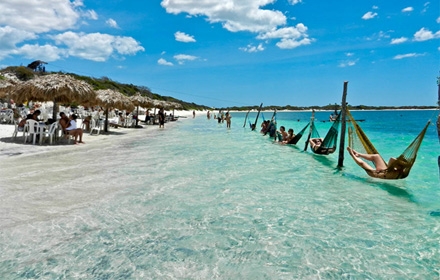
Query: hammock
[(397, 168), (256, 119), (245, 118), (328, 145), (298, 136)]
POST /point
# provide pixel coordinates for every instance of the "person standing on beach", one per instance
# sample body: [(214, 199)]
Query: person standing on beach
[(161, 118), (147, 116), (228, 119), (194, 114)]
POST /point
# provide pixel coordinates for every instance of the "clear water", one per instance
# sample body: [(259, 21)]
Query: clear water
[(199, 201)]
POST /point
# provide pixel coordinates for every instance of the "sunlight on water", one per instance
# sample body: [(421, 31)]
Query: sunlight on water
[(198, 201)]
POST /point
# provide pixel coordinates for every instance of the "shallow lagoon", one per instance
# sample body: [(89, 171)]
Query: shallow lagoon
[(200, 201)]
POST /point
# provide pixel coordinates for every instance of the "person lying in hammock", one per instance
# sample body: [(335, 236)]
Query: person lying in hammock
[(315, 143), (393, 170), (289, 137)]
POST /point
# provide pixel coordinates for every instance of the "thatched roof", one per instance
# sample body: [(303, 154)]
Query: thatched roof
[(143, 101), (54, 87), (109, 98), (6, 86)]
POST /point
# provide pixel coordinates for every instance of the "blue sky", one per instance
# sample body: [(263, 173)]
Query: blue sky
[(237, 52)]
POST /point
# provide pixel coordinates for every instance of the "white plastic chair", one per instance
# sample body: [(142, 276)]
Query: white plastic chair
[(60, 133), (31, 128), (14, 134), (95, 126), (50, 133)]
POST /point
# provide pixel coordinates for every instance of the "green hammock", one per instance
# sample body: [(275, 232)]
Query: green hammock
[(399, 167), (298, 136), (329, 143)]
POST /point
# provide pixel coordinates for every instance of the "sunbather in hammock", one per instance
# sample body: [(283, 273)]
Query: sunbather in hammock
[(382, 170), (315, 143), (375, 158)]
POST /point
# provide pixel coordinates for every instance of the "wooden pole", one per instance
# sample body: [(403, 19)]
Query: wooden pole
[(256, 119), (244, 124), (137, 116), (312, 119), (343, 127), (106, 120), (438, 119), (54, 111)]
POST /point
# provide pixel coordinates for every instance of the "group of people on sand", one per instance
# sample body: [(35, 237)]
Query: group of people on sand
[(68, 125)]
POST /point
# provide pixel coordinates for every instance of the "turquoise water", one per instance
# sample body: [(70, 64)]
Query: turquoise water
[(199, 201)]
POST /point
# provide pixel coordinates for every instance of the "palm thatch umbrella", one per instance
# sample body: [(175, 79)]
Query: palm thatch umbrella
[(175, 105), (5, 88), (7, 84), (109, 98), (143, 101), (54, 87)]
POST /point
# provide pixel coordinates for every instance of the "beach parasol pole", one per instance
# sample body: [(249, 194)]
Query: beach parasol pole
[(106, 120)]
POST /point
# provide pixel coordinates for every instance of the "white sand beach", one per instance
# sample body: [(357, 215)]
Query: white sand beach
[(15, 146)]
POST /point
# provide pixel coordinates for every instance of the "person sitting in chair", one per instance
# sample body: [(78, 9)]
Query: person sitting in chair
[(64, 122), (22, 123), (73, 130), (87, 121)]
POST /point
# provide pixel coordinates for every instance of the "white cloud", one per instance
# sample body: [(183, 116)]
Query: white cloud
[(369, 15), (294, 2), (438, 20), (162, 61), (425, 7), (400, 40), (425, 34), (375, 7), (348, 63), (291, 37), (10, 36), (97, 46), (252, 49), (112, 23), (401, 56), (291, 43), (182, 37), (45, 53), (181, 58), (238, 15), (349, 54), (23, 21), (90, 14), (78, 3), (33, 16), (407, 9)]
